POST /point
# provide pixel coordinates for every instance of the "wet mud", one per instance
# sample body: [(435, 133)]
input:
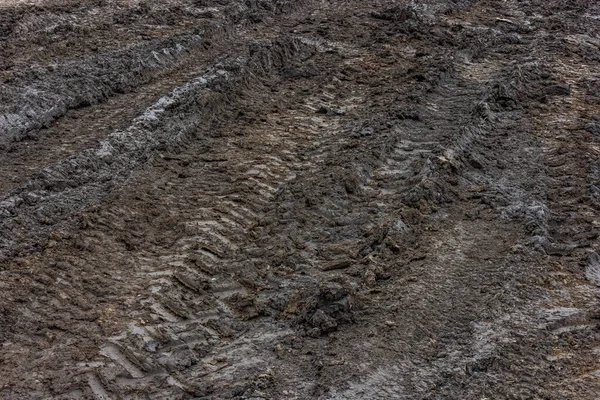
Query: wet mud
[(298, 200)]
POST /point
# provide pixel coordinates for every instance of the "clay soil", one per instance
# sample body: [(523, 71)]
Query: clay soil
[(278, 199)]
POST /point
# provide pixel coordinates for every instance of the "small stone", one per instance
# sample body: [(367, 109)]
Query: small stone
[(370, 278)]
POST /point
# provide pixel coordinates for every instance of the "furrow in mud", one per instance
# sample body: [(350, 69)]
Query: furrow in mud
[(34, 99)]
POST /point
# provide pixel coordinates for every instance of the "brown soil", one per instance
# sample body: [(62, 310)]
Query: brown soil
[(296, 200)]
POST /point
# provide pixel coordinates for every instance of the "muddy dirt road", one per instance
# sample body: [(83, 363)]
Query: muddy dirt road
[(279, 199)]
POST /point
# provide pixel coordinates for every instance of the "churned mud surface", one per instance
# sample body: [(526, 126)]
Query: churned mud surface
[(309, 199)]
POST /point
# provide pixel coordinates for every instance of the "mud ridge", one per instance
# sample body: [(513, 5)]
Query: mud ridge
[(33, 99)]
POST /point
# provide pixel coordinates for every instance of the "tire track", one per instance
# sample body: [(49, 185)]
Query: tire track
[(356, 219)]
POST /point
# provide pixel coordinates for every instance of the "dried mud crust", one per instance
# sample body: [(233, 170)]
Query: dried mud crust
[(360, 200)]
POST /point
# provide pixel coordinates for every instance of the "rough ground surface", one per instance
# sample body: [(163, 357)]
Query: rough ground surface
[(275, 199)]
